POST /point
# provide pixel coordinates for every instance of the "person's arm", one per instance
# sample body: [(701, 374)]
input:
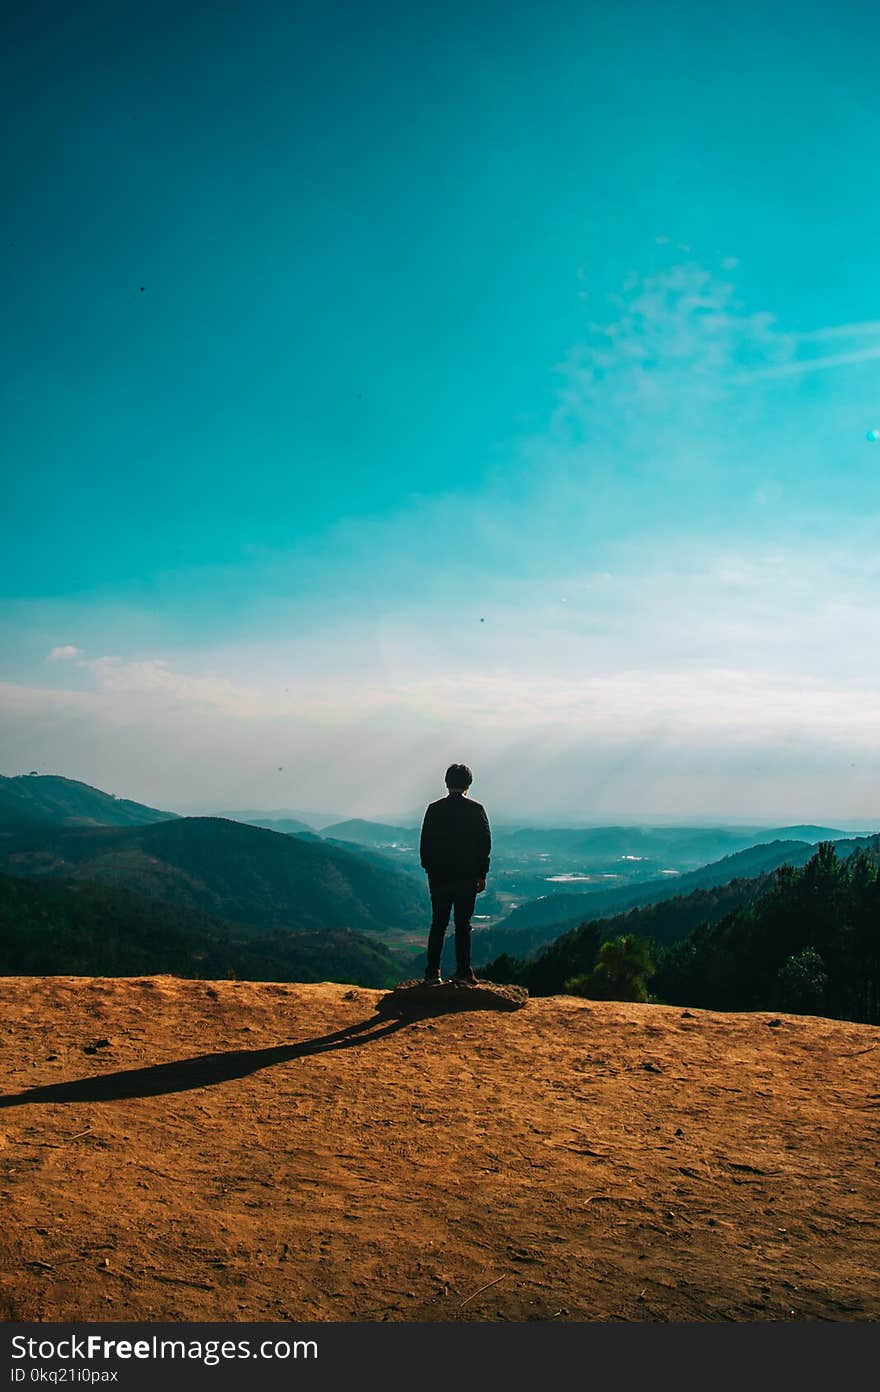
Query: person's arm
[(484, 842), (426, 842)]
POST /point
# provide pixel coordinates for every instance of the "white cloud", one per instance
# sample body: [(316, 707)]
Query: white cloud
[(858, 330), (154, 679), (695, 677), (604, 745), (868, 329), (63, 654), (804, 365), (675, 344)]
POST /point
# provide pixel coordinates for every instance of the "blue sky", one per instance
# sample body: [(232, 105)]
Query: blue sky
[(498, 390)]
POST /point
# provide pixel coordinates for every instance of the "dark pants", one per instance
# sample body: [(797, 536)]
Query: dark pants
[(446, 895)]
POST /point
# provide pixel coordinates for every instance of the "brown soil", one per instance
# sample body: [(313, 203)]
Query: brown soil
[(241, 1151)]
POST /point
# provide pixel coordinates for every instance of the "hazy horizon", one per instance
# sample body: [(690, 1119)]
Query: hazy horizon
[(382, 392), (501, 817), (559, 819)]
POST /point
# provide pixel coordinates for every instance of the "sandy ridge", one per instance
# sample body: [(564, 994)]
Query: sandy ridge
[(240, 1150)]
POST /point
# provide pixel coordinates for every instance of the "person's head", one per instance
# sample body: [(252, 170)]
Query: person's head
[(458, 778)]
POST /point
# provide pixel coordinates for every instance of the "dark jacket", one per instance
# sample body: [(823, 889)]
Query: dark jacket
[(456, 840)]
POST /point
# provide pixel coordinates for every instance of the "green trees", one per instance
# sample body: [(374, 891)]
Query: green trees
[(803, 983), (85, 929), (810, 944), (808, 941), (623, 966)]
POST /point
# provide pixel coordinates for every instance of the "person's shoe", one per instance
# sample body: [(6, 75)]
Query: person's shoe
[(432, 977), (465, 977)]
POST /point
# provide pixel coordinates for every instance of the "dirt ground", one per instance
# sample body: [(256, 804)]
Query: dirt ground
[(183, 1150)]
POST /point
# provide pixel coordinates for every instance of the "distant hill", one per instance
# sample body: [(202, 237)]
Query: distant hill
[(399, 862), (289, 826), (55, 801), (81, 928), (680, 847), (256, 816), (803, 833), (372, 833), (566, 910), (241, 874)]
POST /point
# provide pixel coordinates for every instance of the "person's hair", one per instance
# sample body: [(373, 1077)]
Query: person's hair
[(459, 776)]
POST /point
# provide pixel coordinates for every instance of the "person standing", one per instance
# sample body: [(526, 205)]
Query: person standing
[(454, 850)]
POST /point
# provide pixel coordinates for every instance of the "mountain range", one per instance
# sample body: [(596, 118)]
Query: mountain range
[(681, 847), (241, 874), (566, 910), (218, 889)]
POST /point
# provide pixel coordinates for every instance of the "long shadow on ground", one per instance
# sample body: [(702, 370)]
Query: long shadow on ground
[(409, 1002), (202, 1071)]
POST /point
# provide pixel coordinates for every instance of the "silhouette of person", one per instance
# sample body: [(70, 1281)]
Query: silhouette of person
[(454, 850)]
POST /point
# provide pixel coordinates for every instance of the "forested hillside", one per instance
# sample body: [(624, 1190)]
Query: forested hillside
[(803, 939), (55, 928), (546, 966), (811, 943), (238, 873), (47, 798)]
